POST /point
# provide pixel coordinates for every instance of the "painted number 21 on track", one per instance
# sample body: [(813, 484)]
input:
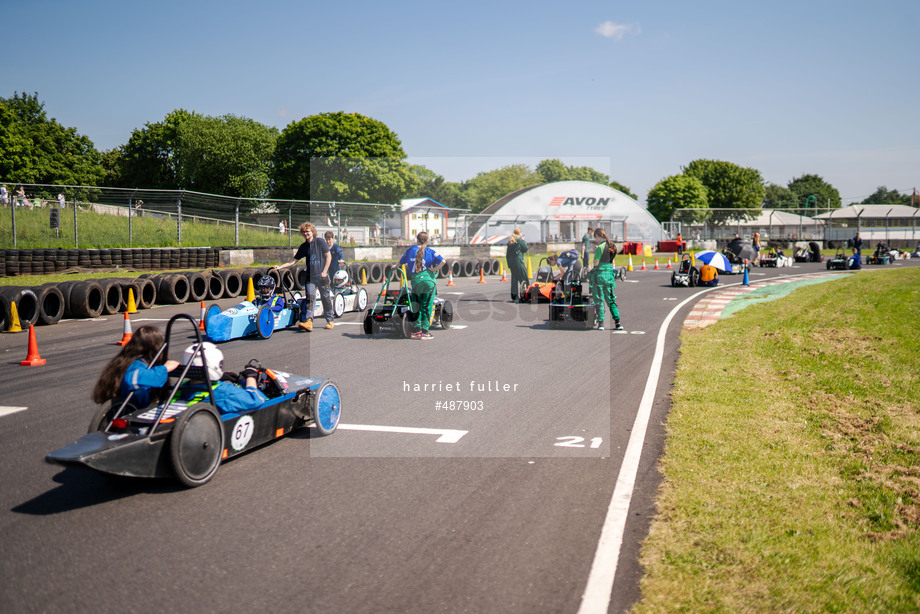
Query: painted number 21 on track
[(573, 441)]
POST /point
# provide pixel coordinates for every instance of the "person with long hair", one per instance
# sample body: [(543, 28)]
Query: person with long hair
[(514, 255), (602, 279), (421, 262), (128, 371)]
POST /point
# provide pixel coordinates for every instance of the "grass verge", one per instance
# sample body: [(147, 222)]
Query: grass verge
[(792, 462)]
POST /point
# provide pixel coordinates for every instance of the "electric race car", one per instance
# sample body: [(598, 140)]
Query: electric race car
[(839, 262), (393, 310), (189, 441), (570, 308), (346, 296), (685, 275), (541, 287), (247, 318)]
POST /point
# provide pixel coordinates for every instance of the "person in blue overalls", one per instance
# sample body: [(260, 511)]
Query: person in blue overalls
[(133, 370), (228, 397), (421, 262)]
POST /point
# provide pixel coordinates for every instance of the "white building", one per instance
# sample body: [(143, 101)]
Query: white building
[(562, 211)]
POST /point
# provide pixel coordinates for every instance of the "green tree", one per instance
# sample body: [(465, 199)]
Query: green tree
[(778, 197), (36, 149), (616, 185), (227, 155), (551, 171), (431, 185), (729, 186), (487, 187), (823, 194), (150, 157), (342, 157), (884, 196), (677, 192)]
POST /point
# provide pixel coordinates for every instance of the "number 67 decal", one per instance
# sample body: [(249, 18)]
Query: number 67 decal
[(573, 441)]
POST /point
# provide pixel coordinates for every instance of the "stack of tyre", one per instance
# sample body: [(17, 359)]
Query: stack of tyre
[(91, 298), (376, 272)]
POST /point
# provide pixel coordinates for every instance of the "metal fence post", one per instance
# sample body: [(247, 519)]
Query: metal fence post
[(13, 214), (179, 221), (236, 224), (76, 242)]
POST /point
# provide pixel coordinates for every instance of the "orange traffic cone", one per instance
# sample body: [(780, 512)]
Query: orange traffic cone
[(669, 263), (126, 337), (201, 319), (504, 276), (450, 278), (482, 275), (643, 265), (656, 267), (33, 359)]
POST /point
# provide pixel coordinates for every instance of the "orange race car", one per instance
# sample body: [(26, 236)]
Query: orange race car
[(542, 286)]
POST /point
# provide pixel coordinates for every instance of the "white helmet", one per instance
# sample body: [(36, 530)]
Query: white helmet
[(340, 279), (213, 357)]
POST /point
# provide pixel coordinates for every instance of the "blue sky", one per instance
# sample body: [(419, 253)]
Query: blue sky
[(635, 89)]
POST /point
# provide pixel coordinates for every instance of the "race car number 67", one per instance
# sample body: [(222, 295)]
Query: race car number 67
[(242, 433)]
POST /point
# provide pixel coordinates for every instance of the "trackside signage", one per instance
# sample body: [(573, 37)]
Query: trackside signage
[(585, 202)]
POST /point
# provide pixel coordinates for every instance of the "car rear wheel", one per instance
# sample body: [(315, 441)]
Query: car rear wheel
[(447, 315), (361, 300), (196, 444), (404, 324)]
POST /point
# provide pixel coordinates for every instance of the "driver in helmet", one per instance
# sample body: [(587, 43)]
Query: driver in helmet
[(228, 397), (340, 280), (267, 296)]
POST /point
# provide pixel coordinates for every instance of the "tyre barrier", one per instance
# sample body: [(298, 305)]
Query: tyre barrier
[(233, 283), (172, 289), (215, 283), (300, 276), (197, 286), (456, 268), (86, 300), (111, 296), (50, 304), (496, 266), (362, 269), (374, 272), (469, 267), (145, 296), (26, 305), (250, 273), (286, 278)]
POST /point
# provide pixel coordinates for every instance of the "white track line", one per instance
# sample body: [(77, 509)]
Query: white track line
[(444, 435), (6, 410), (596, 598)]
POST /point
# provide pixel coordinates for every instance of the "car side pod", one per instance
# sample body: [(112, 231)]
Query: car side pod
[(117, 454)]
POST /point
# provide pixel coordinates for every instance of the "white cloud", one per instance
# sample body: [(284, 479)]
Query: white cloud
[(611, 29)]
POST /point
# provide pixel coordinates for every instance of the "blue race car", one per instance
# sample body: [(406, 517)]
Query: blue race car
[(190, 441), (273, 311)]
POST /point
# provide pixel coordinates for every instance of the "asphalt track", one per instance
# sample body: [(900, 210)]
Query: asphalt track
[(524, 505)]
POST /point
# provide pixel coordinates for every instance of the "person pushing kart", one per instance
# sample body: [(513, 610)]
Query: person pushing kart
[(421, 261)]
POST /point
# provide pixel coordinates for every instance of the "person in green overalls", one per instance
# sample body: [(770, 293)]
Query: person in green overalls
[(602, 277), (421, 262), (517, 247)]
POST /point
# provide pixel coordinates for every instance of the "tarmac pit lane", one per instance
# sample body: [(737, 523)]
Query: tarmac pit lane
[(475, 386)]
